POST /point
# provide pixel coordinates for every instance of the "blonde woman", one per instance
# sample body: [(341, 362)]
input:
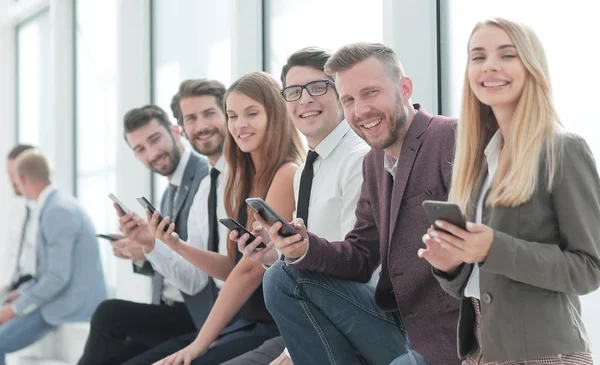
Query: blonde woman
[(533, 193)]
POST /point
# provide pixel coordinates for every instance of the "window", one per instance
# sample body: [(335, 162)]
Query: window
[(292, 25), (190, 40), (33, 83), (96, 47), (568, 38)]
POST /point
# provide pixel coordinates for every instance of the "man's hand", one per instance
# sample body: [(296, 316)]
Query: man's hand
[(136, 229), (283, 359), (292, 247), (128, 249), (266, 256), (11, 297), (6, 314), (162, 230)]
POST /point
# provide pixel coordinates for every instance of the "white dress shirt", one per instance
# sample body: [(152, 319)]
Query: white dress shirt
[(492, 154), (336, 186), (27, 260), (170, 291), (187, 277)]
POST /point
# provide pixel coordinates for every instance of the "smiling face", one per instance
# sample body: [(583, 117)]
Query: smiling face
[(374, 105), (156, 147), (314, 116), (246, 121), (495, 71), (204, 124)]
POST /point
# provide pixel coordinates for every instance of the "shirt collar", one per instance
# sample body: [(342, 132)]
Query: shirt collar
[(220, 165), (494, 146), (178, 174), (43, 197), (328, 144), (390, 164)]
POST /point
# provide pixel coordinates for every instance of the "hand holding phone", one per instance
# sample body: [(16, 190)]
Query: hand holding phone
[(233, 225), (270, 216), (146, 204), (441, 210), (121, 206)]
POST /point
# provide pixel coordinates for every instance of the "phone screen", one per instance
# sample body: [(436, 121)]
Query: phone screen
[(440, 210), (107, 237), (233, 225), (269, 214), (146, 204)]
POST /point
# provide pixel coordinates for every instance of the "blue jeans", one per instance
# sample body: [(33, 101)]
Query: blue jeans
[(325, 320), (21, 332)]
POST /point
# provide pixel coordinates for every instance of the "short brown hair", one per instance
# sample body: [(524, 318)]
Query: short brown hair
[(351, 54), (310, 56), (176, 108), (201, 87), (139, 117), (17, 150), (33, 165)]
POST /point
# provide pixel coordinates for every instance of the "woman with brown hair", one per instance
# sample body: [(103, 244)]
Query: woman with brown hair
[(262, 150), (531, 193)]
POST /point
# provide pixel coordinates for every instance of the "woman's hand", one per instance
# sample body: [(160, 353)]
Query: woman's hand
[(470, 246), (157, 229), (266, 256), (185, 355)]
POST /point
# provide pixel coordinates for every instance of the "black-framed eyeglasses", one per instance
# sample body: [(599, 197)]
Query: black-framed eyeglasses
[(314, 88)]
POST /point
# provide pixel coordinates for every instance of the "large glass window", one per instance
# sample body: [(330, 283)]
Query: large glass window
[(191, 40), (292, 25), (33, 82), (97, 120), (572, 59)]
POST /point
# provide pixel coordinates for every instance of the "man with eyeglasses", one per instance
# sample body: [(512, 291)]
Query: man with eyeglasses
[(327, 186)]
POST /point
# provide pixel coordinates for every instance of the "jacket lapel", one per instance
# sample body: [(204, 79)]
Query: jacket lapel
[(476, 193), (406, 160), (186, 182)]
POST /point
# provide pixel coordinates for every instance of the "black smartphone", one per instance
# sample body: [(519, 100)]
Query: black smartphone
[(146, 204), (445, 211), (121, 206), (233, 225), (107, 237), (270, 215)]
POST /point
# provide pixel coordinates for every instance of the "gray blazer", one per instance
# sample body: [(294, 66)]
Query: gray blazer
[(69, 283), (545, 254), (197, 168)]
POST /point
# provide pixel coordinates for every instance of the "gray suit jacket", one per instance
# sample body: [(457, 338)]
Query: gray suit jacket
[(545, 253), (197, 168), (69, 283)]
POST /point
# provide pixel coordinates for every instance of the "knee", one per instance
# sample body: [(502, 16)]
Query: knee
[(278, 282), (107, 312)]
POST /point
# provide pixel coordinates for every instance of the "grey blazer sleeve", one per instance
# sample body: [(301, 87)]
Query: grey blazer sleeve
[(573, 266), (59, 228), (454, 284)]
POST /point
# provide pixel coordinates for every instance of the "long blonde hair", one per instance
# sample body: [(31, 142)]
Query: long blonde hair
[(535, 125), (281, 144)]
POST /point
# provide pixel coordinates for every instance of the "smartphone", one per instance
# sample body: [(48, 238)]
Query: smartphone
[(107, 237), (445, 211), (146, 204), (270, 215), (233, 225), (121, 206)]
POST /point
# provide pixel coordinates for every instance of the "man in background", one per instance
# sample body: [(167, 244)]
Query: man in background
[(69, 284)]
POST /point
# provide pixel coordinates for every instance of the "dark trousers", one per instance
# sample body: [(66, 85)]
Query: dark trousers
[(235, 340), (121, 330), (263, 355)]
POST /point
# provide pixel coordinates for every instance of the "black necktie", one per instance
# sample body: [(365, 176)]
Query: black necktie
[(213, 228), (305, 187), (23, 234)]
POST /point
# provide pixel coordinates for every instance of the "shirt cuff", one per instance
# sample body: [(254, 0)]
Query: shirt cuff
[(160, 250), (294, 262), (286, 352)]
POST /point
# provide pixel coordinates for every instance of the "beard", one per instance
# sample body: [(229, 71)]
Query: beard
[(396, 123), (208, 148), (173, 157)]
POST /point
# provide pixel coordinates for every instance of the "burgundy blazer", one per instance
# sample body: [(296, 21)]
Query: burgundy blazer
[(389, 226)]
